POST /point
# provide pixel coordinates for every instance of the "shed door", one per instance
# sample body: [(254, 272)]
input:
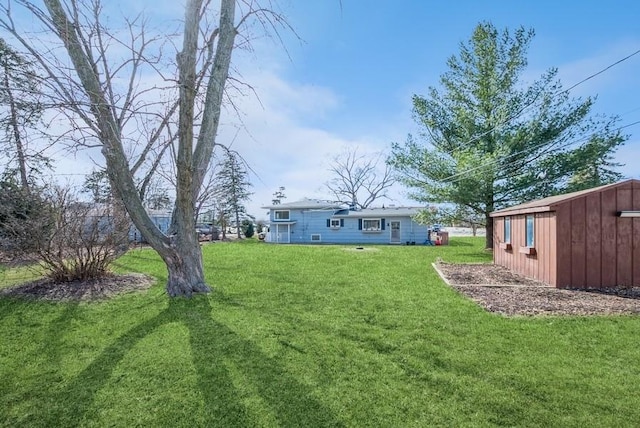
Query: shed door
[(395, 232)]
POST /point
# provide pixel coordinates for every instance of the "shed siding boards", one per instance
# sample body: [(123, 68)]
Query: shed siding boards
[(537, 267), (580, 241)]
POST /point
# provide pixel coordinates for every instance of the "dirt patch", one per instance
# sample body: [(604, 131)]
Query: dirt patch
[(501, 291), (97, 289), (361, 248)]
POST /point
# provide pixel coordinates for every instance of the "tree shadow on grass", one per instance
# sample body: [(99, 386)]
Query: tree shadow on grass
[(458, 243), (214, 347), (8, 305)]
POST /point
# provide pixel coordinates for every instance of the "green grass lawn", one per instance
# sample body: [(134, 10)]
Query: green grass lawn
[(312, 336)]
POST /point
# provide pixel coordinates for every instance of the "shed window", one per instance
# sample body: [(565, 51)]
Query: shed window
[(281, 215), (529, 231), (507, 230)]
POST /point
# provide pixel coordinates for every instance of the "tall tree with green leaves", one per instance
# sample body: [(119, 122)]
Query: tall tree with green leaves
[(490, 139), (593, 163), (233, 185), (97, 185)]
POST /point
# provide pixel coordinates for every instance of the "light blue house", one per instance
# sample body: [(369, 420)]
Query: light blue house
[(314, 221), (162, 220)]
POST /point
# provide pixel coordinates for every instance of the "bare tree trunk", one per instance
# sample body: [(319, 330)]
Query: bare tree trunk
[(22, 160), (489, 235), (238, 224), (105, 114), (186, 275), (181, 250)]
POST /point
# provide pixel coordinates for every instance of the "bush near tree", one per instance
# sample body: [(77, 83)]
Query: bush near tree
[(247, 228), (71, 240)]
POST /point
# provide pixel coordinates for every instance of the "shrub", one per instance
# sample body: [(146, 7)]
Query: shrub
[(26, 218), (73, 240), (249, 231), (86, 238)]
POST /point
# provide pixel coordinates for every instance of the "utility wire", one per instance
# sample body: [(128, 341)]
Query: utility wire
[(523, 109), (459, 176), (604, 69)]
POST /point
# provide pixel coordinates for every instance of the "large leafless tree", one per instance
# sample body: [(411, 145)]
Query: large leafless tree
[(107, 101), (359, 179)]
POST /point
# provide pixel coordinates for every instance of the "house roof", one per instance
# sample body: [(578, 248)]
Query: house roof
[(306, 204), (550, 203), (341, 210), (381, 212)]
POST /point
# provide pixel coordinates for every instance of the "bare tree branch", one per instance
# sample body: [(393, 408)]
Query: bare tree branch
[(359, 180)]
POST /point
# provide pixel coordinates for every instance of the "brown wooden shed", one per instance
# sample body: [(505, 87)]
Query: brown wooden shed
[(586, 239)]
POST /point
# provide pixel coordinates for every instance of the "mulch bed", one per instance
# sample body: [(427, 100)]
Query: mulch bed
[(96, 289), (501, 291)]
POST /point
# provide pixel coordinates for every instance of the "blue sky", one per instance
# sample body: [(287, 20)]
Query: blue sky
[(348, 82)]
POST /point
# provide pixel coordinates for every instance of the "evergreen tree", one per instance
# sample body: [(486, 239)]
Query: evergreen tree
[(492, 141), (25, 217), (233, 184), (593, 163), (247, 228), (97, 185), (20, 115)]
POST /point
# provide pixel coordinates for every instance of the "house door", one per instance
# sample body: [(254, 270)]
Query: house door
[(395, 232), (282, 233)]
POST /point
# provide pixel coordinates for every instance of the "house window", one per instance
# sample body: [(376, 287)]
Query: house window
[(529, 231), (315, 237), (507, 230), (371, 224), (335, 222), (281, 215)]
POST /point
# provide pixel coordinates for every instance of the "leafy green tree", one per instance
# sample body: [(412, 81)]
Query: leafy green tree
[(97, 185), (593, 163), (25, 217), (233, 185), (489, 140)]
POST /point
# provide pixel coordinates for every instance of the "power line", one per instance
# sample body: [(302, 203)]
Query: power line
[(523, 109), (458, 176), (603, 70)]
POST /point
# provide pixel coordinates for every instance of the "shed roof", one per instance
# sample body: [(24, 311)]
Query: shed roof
[(550, 203)]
